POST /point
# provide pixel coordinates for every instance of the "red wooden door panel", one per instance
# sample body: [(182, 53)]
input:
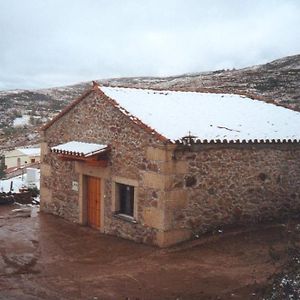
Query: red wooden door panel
[(93, 201)]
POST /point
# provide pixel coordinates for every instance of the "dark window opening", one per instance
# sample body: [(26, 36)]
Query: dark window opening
[(126, 199), (32, 160)]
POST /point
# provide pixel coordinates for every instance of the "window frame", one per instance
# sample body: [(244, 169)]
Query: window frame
[(125, 199), (117, 181)]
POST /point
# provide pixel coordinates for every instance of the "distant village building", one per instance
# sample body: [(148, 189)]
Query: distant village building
[(19, 157), (159, 167)]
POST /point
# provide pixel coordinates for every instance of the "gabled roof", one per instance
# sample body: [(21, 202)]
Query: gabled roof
[(96, 89), (171, 115)]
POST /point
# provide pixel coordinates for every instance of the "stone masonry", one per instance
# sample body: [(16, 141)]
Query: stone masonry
[(95, 120), (236, 184), (181, 190)]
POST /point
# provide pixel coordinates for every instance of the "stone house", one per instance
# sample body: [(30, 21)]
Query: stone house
[(159, 167)]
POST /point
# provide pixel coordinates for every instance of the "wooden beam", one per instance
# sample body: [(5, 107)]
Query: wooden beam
[(68, 157), (91, 161), (97, 163)]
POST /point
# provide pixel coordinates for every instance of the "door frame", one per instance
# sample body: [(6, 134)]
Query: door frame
[(103, 174), (88, 220)]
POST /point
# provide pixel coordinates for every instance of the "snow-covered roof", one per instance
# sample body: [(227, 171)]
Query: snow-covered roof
[(207, 116), (30, 151), (79, 148)]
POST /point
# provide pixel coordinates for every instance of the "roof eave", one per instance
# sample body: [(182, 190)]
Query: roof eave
[(67, 109)]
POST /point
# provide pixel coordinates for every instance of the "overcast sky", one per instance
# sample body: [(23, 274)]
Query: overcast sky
[(47, 43)]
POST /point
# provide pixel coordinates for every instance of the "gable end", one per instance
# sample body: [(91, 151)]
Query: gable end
[(67, 109)]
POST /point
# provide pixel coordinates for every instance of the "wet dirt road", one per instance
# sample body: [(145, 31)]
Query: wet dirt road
[(46, 257)]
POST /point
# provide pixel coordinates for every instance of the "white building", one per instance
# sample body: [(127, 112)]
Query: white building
[(21, 157)]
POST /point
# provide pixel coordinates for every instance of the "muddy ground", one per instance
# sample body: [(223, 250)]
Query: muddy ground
[(46, 257)]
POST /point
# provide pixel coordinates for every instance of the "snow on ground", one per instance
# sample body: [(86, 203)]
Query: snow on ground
[(21, 121), (207, 115), (18, 182)]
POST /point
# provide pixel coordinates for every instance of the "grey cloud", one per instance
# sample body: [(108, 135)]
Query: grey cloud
[(52, 42)]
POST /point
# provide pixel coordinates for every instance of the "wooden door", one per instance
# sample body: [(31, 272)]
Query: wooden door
[(93, 201)]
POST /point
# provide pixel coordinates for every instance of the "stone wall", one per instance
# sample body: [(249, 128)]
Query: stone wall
[(57, 196), (233, 185), (96, 120)]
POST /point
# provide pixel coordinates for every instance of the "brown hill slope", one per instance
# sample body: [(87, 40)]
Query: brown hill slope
[(278, 80)]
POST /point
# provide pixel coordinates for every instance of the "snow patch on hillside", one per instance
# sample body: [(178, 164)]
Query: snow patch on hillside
[(21, 121)]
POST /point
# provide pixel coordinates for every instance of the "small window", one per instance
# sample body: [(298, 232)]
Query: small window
[(125, 198), (32, 160)]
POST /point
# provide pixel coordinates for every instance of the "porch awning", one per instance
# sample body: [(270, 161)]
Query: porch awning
[(95, 154)]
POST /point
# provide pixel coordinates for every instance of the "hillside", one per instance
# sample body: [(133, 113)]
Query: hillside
[(277, 81)]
